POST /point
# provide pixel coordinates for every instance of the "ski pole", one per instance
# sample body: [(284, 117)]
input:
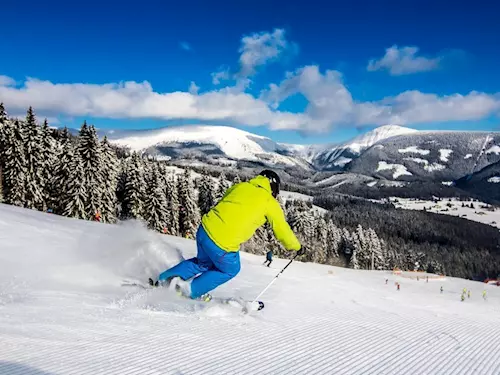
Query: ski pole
[(275, 278)]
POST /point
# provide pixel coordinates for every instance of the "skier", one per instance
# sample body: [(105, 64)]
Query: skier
[(269, 258), (463, 297), (386, 281), (484, 295), (398, 286), (243, 208), (441, 289), (468, 294)]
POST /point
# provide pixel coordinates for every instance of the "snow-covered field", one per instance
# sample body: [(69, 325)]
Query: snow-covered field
[(63, 310), (477, 213)]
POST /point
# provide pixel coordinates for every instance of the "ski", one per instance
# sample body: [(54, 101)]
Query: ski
[(245, 305)]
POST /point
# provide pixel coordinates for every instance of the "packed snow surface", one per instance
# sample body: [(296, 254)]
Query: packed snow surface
[(63, 310), (399, 170), (495, 180), (414, 150), (468, 156)]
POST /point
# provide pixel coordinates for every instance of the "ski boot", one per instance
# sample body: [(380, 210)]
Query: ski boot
[(183, 290)]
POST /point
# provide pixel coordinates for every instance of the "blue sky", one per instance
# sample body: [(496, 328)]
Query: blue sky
[(297, 71)]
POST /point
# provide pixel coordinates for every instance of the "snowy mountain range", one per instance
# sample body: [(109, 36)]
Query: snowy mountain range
[(216, 143), (389, 152)]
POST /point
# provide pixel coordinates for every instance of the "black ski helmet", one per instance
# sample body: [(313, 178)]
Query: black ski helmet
[(274, 179)]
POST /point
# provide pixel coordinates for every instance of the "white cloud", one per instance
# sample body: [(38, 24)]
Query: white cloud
[(7, 81), (400, 61), (193, 88), (330, 104), (221, 75), (185, 46), (139, 100), (261, 48)]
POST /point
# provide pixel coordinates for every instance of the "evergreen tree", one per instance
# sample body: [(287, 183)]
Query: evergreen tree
[(189, 218), (376, 249), (76, 193), (321, 241), (155, 205), (14, 174), (206, 196), (172, 205), (49, 148), (109, 171), (302, 222), (236, 180), (134, 188), (3, 136), (35, 166), (353, 262), (334, 240), (89, 151), (58, 186), (221, 188)]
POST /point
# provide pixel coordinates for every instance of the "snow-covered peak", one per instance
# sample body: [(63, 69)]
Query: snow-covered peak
[(370, 138), (234, 143)]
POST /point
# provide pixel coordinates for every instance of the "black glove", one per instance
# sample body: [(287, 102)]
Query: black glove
[(302, 251)]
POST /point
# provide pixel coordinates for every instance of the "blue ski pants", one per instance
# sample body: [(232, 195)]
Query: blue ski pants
[(212, 266)]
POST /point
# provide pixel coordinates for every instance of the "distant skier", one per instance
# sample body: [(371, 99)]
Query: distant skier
[(463, 297), (97, 216), (484, 295), (244, 207), (427, 279), (269, 258), (442, 289), (398, 286), (386, 281), (468, 294)]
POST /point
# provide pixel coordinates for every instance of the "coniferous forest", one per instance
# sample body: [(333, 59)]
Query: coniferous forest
[(51, 170)]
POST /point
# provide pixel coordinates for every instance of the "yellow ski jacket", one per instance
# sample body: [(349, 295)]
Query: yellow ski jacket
[(244, 208)]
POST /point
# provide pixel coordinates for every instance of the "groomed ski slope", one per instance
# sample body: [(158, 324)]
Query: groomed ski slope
[(63, 311)]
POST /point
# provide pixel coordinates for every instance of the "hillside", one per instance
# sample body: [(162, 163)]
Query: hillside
[(429, 156), (64, 310)]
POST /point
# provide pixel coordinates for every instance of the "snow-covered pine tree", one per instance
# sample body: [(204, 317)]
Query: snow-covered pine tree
[(3, 135), (34, 154), (50, 151), (134, 188), (172, 196), (347, 242), (236, 180), (89, 150), (206, 196), (109, 171), (375, 247), (334, 240), (221, 188), (189, 217), (76, 193), (302, 222), (14, 173), (353, 262), (362, 245), (58, 186), (155, 204), (320, 244)]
